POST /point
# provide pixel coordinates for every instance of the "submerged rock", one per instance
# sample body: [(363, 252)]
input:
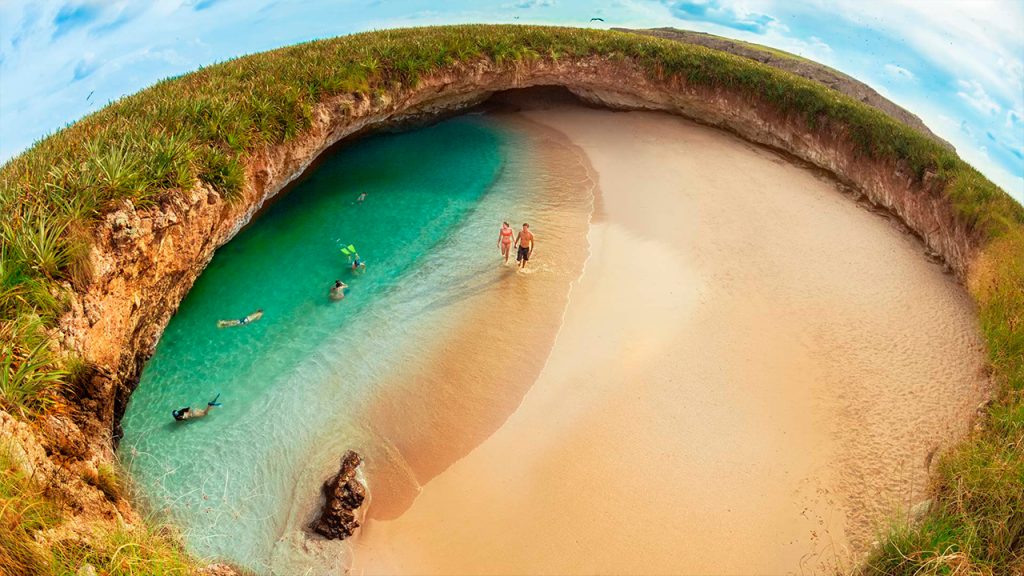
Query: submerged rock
[(344, 494)]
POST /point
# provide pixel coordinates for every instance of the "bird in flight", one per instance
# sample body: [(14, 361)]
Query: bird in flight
[(597, 19)]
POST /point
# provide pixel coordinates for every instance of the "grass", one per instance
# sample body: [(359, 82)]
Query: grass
[(31, 374), (978, 526), (203, 127), (24, 510), (107, 478), (122, 550)]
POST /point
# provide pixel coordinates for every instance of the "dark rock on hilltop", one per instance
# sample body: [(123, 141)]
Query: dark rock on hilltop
[(344, 494), (794, 64)]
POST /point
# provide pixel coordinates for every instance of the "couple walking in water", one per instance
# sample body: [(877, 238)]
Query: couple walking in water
[(524, 242)]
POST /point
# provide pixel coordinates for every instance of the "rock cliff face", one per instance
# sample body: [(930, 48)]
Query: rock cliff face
[(145, 261)]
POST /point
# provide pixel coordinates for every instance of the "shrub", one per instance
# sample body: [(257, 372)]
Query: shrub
[(31, 375)]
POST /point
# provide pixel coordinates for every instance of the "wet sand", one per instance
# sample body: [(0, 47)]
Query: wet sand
[(750, 375), (490, 350), (487, 343)]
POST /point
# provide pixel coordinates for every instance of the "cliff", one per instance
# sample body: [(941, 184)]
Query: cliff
[(145, 254), (145, 261)]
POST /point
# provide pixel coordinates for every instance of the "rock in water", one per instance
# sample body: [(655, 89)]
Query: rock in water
[(344, 494)]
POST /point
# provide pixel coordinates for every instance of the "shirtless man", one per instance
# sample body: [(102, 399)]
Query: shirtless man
[(524, 242), (505, 240)]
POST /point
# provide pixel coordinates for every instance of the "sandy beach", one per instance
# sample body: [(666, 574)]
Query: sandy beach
[(749, 377), (491, 346)]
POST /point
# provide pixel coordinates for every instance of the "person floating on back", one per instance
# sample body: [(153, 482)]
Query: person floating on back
[(187, 413), (241, 321), (524, 242), (505, 240), (338, 290)]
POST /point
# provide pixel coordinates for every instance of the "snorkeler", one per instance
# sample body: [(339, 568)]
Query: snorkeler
[(187, 413), (338, 290), (353, 257), (241, 321), (505, 240)]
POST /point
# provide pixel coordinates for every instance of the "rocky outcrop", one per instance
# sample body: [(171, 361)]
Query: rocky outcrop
[(809, 69), (343, 495)]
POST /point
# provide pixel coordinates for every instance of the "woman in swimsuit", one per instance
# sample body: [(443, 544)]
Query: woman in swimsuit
[(505, 240)]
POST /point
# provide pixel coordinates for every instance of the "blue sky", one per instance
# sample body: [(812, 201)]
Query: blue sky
[(958, 64)]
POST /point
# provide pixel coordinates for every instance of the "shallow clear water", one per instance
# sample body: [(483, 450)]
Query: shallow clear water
[(295, 384)]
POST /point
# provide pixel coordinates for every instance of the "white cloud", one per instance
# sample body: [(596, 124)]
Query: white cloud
[(899, 72), (971, 38), (733, 15), (968, 146), (819, 44), (130, 44), (527, 4), (974, 94), (1014, 117)]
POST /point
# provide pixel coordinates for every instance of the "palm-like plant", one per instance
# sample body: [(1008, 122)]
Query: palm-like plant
[(38, 242), (30, 372)]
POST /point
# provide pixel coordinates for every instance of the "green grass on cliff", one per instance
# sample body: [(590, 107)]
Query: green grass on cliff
[(203, 127), (977, 525), (26, 509)]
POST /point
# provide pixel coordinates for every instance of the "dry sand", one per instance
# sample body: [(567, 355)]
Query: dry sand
[(751, 372)]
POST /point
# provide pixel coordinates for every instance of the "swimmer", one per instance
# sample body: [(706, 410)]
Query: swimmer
[(187, 413), (505, 240), (241, 321), (353, 257), (361, 198), (338, 290), (524, 242)]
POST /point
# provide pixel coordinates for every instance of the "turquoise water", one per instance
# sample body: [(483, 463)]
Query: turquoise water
[(294, 383)]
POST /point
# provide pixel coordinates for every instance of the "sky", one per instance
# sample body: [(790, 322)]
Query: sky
[(957, 64)]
